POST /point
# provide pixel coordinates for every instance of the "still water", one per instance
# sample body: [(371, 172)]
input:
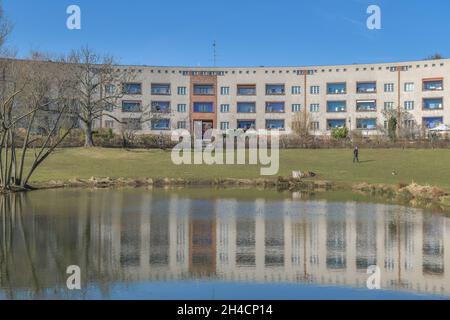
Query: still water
[(218, 244)]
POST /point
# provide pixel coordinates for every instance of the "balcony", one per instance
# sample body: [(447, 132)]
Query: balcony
[(246, 107), (160, 124), (337, 88), (132, 88), (433, 104), (204, 89), (160, 89), (335, 123), (160, 106), (336, 106), (275, 124), (246, 90), (432, 122), (366, 124), (433, 85), (366, 106), (132, 123), (275, 89), (203, 107), (131, 106), (366, 87), (274, 107), (246, 124)]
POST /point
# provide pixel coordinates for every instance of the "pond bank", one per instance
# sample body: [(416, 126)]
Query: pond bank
[(413, 195)]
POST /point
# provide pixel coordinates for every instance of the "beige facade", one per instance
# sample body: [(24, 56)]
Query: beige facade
[(418, 86)]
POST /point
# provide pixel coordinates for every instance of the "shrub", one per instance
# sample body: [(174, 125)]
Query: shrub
[(339, 133)]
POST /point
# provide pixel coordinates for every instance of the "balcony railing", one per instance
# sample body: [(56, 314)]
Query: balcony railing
[(203, 90), (366, 87), (433, 85)]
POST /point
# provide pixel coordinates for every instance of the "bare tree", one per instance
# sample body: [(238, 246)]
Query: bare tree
[(436, 56), (5, 29), (396, 119), (97, 83), (301, 124), (29, 92), (149, 115)]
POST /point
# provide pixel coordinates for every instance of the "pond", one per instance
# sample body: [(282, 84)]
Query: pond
[(203, 243)]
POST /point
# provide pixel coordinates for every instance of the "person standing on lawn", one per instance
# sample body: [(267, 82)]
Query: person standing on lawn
[(356, 155)]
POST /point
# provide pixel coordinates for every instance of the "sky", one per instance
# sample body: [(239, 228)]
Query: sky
[(246, 32)]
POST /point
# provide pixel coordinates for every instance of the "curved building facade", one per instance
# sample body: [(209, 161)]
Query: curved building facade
[(273, 97)]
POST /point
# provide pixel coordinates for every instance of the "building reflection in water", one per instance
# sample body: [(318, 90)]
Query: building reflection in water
[(162, 236)]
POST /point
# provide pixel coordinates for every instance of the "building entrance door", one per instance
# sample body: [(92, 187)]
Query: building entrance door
[(201, 127)]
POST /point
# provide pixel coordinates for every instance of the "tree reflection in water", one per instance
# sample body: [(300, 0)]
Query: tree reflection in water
[(134, 236)]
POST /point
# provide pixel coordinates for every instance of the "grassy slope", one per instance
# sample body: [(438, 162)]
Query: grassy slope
[(422, 166)]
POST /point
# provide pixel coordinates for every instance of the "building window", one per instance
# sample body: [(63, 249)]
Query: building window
[(161, 89), (433, 104), (109, 107), (246, 90), (433, 85), (274, 107), (314, 107), (181, 125), (110, 88), (314, 125), (366, 124), (160, 124), (409, 86), (366, 87), (296, 107), (314, 90), (336, 106), (337, 88), (181, 91), (335, 123), (132, 123), (366, 105), (132, 88), (131, 106), (409, 105), (109, 124), (224, 108), (246, 107), (274, 89), (432, 122), (388, 105), (275, 124), (246, 124), (181, 107), (224, 125), (409, 124), (206, 107), (225, 91), (203, 89), (296, 90), (160, 106), (389, 87)]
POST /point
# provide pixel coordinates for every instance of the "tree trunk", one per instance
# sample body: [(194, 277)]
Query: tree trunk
[(89, 141)]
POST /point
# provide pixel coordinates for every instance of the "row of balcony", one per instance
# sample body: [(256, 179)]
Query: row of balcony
[(279, 124), (276, 89), (428, 104)]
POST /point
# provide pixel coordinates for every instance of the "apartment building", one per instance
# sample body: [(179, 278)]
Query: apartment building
[(353, 96)]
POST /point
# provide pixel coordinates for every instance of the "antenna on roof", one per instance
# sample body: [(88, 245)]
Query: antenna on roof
[(214, 53)]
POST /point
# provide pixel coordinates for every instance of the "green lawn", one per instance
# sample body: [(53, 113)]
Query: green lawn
[(422, 166)]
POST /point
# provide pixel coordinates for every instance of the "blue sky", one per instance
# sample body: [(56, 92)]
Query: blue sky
[(247, 32)]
